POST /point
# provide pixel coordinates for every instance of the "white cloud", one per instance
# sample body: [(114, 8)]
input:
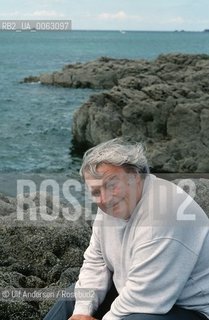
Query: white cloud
[(11, 15), (177, 20), (54, 1), (171, 22), (202, 21), (45, 14), (120, 15), (47, 1), (39, 14)]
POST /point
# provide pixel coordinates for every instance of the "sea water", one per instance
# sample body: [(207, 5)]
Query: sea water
[(36, 120)]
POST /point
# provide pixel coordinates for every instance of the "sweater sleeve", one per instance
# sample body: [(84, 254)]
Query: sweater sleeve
[(94, 278), (157, 274)]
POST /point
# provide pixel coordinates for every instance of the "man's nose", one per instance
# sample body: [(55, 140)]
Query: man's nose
[(104, 198)]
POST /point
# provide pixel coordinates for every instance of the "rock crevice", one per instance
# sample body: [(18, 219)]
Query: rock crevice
[(163, 103)]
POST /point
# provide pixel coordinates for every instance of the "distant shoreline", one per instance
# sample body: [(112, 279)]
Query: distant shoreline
[(108, 30)]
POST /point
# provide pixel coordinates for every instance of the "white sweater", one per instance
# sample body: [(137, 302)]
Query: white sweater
[(155, 259)]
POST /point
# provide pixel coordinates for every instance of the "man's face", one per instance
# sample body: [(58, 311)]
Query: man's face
[(116, 191)]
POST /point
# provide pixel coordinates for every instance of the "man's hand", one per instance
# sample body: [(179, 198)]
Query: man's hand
[(81, 317)]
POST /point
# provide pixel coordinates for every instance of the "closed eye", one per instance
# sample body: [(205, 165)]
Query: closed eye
[(95, 193)]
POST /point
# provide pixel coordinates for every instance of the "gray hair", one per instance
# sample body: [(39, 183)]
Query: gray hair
[(116, 152)]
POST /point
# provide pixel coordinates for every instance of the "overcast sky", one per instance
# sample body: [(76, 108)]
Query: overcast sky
[(185, 15)]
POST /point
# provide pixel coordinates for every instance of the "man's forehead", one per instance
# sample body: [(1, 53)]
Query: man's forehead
[(99, 180), (104, 170), (94, 183)]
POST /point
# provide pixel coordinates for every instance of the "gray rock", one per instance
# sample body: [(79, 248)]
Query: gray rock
[(198, 189), (7, 205), (164, 105), (102, 73), (37, 253), (48, 255), (31, 79), (19, 311)]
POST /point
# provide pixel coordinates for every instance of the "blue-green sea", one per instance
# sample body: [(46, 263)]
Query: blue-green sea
[(35, 120)]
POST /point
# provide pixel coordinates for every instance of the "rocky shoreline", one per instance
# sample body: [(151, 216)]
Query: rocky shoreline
[(37, 254), (43, 255), (163, 103)]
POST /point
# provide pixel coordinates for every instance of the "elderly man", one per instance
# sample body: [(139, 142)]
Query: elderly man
[(150, 239)]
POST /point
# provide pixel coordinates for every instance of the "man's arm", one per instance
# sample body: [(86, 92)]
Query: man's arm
[(94, 278)]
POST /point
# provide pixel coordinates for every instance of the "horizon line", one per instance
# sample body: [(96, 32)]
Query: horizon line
[(140, 30)]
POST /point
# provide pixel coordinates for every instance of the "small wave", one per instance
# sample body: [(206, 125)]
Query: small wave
[(59, 131), (34, 82)]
